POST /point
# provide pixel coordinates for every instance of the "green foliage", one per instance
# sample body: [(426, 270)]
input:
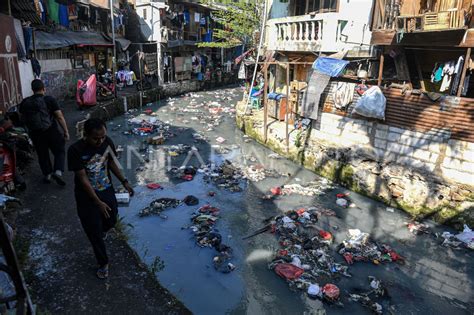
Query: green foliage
[(237, 24)]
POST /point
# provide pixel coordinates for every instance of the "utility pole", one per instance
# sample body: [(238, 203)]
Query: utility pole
[(114, 66), (9, 7)]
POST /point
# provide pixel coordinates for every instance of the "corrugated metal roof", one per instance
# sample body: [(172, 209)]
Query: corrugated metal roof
[(418, 113), (26, 10)]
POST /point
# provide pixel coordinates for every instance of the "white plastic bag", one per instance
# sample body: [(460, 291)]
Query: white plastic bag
[(372, 104)]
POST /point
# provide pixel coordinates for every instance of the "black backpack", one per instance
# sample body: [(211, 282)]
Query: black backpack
[(35, 114)]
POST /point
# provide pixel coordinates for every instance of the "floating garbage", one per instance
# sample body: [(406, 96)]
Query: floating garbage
[(157, 206), (371, 298), (360, 247), (203, 222)]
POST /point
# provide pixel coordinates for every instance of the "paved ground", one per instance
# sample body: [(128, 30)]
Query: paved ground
[(60, 266)]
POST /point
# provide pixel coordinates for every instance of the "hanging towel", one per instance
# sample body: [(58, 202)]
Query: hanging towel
[(53, 10), (63, 15), (343, 94), (316, 85)]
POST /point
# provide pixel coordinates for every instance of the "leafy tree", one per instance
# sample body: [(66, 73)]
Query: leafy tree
[(236, 24)]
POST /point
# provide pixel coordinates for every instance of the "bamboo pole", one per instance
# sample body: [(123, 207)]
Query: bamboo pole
[(265, 101), (287, 106), (382, 59), (420, 73), (464, 69)]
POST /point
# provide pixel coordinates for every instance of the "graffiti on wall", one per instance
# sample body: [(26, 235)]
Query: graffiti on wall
[(10, 84), (62, 84)]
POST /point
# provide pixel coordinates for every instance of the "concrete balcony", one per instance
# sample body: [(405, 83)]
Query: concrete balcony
[(297, 33), (325, 32)]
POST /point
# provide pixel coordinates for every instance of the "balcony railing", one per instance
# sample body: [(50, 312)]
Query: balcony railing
[(298, 33)]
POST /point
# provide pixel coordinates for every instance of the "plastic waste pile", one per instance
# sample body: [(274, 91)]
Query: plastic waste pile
[(256, 173), (305, 256), (310, 189), (456, 241), (225, 176), (203, 227), (417, 228), (371, 298), (360, 247), (157, 206)]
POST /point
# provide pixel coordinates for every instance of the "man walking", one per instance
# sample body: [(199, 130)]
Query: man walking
[(92, 159), (41, 115)]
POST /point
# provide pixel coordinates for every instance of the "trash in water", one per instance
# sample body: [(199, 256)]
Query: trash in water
[(191, 200), (390, 209), (154, 186), (331, 292), (220, 140), (342, 202), (467, 237), (157, 206), (417, 228), (371, 298), (360, 247), (203, 222)]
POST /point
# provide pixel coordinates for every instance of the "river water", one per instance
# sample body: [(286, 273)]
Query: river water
[(435, 279)]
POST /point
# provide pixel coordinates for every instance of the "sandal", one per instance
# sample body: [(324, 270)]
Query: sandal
[(103, 272)]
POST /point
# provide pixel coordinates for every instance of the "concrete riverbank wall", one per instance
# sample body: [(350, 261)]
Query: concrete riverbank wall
[(427, 174)]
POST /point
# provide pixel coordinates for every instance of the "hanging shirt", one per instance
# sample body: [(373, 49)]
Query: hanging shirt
[(448, 71), (438, 74)]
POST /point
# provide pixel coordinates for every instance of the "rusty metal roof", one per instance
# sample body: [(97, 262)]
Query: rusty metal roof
[(25, 10), (418, 113)]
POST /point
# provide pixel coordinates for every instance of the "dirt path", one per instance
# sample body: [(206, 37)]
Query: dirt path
[(59, 263)]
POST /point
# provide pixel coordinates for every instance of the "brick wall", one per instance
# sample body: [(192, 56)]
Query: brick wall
[(431, 151)]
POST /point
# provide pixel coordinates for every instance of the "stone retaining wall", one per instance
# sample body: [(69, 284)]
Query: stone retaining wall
[(426, 174)]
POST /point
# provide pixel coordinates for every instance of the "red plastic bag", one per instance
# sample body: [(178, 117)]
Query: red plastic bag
[(86, 92), (288, 271), (331, 292), (154, 186), (276, 191), (325, 235)]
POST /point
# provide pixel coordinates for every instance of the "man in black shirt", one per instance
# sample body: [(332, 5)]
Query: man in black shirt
[(41, 115), (92, 159)]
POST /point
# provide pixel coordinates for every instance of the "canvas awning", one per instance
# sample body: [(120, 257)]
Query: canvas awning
[(123, 42), (45, 40)]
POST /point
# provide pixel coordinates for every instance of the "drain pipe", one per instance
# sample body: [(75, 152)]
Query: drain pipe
[(262, 31)]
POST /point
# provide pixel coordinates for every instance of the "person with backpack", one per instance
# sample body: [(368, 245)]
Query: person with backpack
[(47, 129)]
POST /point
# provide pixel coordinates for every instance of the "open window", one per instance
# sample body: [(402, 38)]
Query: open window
[(322, 6)]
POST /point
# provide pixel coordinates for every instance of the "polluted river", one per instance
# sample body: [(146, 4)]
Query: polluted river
[(293, 222)]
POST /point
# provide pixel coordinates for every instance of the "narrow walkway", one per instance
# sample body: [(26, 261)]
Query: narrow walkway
[(60, 266)]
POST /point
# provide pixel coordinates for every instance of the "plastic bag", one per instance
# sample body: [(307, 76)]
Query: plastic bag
[(372, 104), (86, 92), (288, 271)]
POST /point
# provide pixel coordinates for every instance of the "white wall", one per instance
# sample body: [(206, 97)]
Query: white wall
[(277, 9), (26, 71), (55, 65), (26, 76), (356, 33), (151, 25)]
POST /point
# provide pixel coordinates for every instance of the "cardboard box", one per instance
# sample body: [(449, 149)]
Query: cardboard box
[(123, 198)]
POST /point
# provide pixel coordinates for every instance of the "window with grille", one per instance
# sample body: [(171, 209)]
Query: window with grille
[(322, 6)]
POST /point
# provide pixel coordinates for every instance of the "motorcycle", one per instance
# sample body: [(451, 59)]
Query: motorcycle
[(15, 154), (105, 86)]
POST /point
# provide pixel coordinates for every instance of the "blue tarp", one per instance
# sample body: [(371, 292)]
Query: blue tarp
[(59, 39), (330, 66)]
